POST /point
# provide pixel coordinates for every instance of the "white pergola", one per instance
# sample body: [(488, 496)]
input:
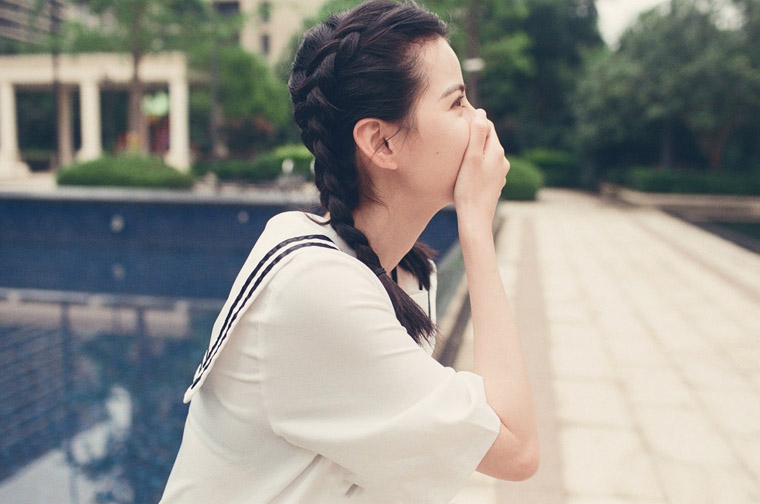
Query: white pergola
[(89, 72)]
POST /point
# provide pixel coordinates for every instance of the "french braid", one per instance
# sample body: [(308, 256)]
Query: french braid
[(354, 65)]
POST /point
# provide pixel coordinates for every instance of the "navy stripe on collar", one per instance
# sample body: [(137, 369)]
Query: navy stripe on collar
[(265, 266)]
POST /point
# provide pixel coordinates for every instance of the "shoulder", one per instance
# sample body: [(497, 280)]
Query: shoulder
[(325, 272), (328, 291), (290, 224)]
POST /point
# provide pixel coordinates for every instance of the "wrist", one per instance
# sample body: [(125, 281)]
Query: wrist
[(475, 231)]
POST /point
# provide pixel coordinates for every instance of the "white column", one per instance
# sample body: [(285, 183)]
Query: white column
[(89, 96), (10, 164), (65, 133), (179, 125)]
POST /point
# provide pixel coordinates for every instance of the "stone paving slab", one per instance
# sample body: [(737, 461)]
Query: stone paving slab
[(649, 383)]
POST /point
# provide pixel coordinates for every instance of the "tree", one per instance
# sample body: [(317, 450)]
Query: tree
[(609, 117), (680, 68), (561, 33), (141, 27), (533, 55), (254, 104), (488, 31)]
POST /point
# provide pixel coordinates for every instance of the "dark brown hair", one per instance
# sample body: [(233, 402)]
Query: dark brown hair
[(358, 64)]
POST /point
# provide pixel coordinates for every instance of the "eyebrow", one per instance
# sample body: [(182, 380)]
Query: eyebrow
[(451, 89)]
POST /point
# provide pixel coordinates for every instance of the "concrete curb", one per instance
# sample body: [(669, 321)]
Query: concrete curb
[(694, 207)]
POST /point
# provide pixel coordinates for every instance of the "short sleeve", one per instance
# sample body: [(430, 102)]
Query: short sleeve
[(341, 377)]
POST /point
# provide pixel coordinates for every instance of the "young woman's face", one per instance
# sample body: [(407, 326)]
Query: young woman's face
[(432, 152)]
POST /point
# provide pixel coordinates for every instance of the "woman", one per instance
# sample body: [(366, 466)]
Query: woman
[(318, 385)]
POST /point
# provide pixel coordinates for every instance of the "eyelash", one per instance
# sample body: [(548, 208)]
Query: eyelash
[(458, 102)]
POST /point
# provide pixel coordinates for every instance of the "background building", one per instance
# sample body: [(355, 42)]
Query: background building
[(24, 20), (269, 25)]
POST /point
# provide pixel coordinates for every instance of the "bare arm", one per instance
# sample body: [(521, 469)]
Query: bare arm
[(497, 354)]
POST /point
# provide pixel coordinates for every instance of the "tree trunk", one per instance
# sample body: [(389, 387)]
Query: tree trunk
[(666, 146), (216, 110), (713, 143), (137, 133)]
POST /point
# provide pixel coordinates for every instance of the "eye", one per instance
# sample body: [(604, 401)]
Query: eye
[(458, 102)]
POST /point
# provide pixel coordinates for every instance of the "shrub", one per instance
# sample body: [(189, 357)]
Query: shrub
[(300, 155), (124, 171), (561, 169), (669, 181), (38, 159), (240, 170), (266, 167), (523, 180)]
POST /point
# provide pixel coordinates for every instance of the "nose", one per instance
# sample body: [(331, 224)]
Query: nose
[(471, 112)]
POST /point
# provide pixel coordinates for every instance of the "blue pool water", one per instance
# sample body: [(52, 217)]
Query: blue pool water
[(106, 304)]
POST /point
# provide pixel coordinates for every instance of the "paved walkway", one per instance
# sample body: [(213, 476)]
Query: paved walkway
[(642, 335)]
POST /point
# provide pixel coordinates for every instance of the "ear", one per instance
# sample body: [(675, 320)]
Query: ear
[(371, 138)]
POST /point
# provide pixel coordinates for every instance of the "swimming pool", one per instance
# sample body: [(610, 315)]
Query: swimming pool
[(107, 299)]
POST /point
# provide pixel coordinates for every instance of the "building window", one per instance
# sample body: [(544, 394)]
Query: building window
[(227, 9), (265, 11)]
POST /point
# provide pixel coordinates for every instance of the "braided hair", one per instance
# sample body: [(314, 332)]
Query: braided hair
[(358, 64)]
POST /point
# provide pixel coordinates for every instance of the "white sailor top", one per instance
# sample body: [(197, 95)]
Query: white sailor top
[(311, 391)]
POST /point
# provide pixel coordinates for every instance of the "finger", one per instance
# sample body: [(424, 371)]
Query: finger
[(479, 131), (493, 146)]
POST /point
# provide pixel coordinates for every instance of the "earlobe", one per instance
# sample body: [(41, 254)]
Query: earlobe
[(371, 138)]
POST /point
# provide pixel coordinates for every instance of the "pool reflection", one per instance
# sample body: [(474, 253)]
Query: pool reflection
[(102, 323), (100, 393)]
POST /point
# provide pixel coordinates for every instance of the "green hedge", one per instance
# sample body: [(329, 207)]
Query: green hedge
[(38, 159), (523, 180), (266, 167), (238, 170), (561, 169), (650, 180), (124, 171)]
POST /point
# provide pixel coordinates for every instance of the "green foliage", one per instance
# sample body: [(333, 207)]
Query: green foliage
[(142, 26), (255, 105), (561, 33), (272, 162), (669, 181), (606, 103), (679, 77), (124, 171), (560, 169), (248, 88), (237, 170), (79, 38), (265, 168), (523, 180), (39, 159), (532, 50), (533, 53), (508, 65), (298, 153)]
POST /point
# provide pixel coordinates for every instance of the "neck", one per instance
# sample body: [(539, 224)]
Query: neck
[(392, 228)]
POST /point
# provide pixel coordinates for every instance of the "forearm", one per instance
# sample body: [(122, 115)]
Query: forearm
[(497, 351)]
